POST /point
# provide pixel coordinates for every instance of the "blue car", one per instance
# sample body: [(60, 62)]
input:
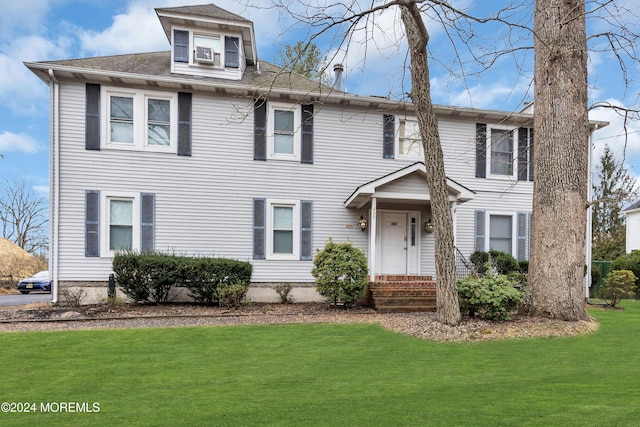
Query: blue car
[(37, 282)]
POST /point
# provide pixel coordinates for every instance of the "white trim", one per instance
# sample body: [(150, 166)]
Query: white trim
[(297, 131), (295, 204), (514, 230), (105, 198), (514, 152), (398, 153), (140, 119)]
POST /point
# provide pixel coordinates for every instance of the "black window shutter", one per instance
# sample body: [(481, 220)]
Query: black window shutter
[(180, 46), (481, 150), (523, 160), (260, 130), (307, 134), (232, 52), (480, 231), (306, 230), (147, 222), (184, 124), (92, 223), (259, 229), (388, 136), (522, 246), (92, 118)]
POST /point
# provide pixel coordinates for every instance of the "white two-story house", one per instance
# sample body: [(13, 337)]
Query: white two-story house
[(207, 150)]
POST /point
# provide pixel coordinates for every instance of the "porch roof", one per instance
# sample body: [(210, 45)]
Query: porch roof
[(404, 186)]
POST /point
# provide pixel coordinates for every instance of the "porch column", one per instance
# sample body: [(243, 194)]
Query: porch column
[(454, 218), (372, 239)]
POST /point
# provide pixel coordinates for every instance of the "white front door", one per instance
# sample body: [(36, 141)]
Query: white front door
[(393, 243)]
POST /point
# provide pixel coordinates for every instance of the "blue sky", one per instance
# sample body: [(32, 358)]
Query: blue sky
[(38, 30)]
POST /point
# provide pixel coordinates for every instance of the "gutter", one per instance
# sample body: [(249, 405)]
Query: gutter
[(54, 173), (589, 231)]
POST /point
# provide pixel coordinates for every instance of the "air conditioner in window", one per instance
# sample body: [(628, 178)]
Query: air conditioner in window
[(204, 54)]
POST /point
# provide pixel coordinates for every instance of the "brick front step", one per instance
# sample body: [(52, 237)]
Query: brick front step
[(401, 294)]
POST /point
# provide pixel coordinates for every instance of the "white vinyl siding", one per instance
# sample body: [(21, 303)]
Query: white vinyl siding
[(204, 203)]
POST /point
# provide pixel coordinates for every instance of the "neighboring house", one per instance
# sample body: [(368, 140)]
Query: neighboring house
[(632, 214), (207, 150)]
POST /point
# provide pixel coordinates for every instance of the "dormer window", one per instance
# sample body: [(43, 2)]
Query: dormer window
[(208, 50)]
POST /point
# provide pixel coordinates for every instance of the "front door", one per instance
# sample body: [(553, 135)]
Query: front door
[(393, 243)]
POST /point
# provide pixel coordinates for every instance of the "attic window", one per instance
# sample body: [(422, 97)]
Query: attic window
[(206, 50)]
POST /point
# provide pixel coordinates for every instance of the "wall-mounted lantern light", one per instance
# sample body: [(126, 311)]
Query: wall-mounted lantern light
[(362, 223), (428, 226)]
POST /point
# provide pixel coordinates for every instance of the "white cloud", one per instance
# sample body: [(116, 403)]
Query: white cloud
[(18, 142), (136, 31), (23, 16)]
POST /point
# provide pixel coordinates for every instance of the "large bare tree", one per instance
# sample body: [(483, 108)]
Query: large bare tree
[(561, 156), (23, 216)]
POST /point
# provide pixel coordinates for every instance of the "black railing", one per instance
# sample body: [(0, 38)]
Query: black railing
[(464, 267)]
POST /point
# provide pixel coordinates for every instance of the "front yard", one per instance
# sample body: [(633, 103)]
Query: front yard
[(322, 374)]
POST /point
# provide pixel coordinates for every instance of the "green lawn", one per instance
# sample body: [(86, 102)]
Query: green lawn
[(317, 375)]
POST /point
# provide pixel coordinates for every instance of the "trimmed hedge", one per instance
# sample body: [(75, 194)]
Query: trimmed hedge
[(151, 277)]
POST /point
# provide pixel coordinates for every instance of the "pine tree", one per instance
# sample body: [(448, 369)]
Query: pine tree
[(612, 190)]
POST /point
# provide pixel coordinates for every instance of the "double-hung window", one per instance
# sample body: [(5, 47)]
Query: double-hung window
[(409, 139), (120, 224), (284, 134), (283, 229), (501, 233), (501, 157), (120, 221), (139, 120)]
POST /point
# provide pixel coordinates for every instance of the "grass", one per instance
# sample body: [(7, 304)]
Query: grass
[(343, 375)]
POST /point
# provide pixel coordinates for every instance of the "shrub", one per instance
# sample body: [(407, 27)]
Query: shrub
[(283, 290), (523, 266), (629, 262), (204, 276), (340, 272), (232, 294), (491, 297), (617, 285), (502, 261), (145, 277), (150, 277)]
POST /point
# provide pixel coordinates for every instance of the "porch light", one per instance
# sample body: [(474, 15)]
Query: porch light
[(362, 223), (428, 226)]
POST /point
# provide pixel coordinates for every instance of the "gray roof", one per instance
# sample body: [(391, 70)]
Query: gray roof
[(204, 10), (154, 66), (633, 207)]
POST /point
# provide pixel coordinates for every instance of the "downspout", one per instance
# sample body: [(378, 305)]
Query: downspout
[(588, 242), (54, 170)]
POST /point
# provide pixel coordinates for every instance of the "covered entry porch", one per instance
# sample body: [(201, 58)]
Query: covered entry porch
[(397, 218)]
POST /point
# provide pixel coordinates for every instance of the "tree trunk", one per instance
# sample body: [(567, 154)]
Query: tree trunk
[(446, 288), (561, 152)]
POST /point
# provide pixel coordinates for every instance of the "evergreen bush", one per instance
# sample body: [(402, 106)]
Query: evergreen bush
[(617, 285), (340, 272), (629, 262)]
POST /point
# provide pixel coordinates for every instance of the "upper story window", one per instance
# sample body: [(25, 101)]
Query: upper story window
[(501, 157), (140, 120), (503, 152), (212, 50), (284, 133), (409, 139)]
